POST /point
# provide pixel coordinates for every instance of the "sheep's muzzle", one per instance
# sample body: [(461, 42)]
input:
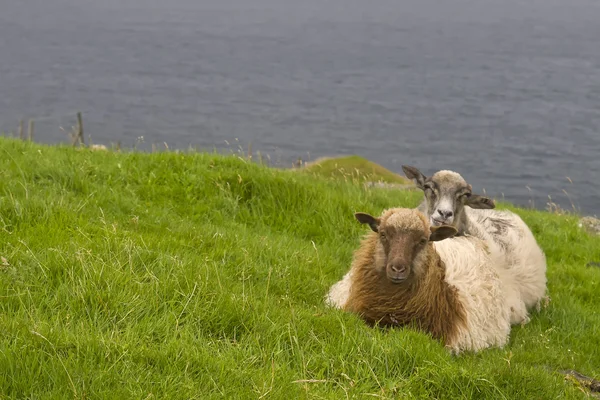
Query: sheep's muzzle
[(397, 272)]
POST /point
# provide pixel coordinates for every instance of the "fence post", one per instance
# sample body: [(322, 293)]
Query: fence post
[(31, 126), (80, 128)]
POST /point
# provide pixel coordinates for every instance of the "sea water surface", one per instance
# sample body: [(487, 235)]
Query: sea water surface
[(506, 93)]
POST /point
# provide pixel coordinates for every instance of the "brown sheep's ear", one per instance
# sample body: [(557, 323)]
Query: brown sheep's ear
[(365, 218), (480, 202), (441, 232), (415, 175)]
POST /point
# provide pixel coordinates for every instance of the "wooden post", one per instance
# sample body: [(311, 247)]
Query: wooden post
[(31, 126), (21, 132), (77, 131), (80, 128)]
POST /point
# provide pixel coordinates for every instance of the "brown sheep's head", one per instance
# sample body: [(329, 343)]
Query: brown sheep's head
[(403, 234)]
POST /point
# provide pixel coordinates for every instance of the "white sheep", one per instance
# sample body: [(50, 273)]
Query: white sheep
[(447, 288), (447, 194)]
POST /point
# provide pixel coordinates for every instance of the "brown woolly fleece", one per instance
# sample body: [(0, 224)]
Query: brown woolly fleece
[(425, 299)]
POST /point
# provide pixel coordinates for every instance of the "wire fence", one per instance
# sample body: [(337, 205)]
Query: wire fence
[(26, 128)]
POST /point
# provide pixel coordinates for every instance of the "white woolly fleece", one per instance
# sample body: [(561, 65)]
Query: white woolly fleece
[(525, 261), (469, 268), (339, 292)]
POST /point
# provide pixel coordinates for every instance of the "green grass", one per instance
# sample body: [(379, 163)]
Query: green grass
[(166, 275), (354, 169)]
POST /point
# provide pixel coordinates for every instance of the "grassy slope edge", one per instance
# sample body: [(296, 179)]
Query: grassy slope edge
[(128, 275)]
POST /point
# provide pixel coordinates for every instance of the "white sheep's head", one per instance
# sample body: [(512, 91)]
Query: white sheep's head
[(403, 234), (446, 194)]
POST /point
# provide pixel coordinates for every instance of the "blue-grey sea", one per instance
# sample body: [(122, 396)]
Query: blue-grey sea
[(505, 92)]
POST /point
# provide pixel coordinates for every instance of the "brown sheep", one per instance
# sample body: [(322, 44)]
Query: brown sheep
[(399, 277)]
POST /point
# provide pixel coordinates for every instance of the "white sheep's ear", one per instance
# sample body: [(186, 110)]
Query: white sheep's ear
[(480, 202), (415, 175), (441, 232), (365, 218)]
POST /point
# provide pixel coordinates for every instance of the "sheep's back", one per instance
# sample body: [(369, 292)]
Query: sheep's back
[(525, 260)]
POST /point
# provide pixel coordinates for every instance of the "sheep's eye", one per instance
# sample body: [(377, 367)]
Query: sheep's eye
[(382, 235), (423, 241)]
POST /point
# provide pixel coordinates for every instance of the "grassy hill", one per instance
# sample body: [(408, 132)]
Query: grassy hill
[(166, 275), (354, 169)]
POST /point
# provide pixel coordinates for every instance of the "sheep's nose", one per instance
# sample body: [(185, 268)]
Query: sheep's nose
[(445, 214), (398, 268)]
